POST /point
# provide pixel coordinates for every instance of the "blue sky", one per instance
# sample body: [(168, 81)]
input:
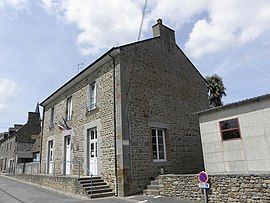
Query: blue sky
[(41, 42)]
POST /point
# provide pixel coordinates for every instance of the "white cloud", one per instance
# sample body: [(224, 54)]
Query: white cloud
[(106, 23), (8, 90), (231, 23), (176, 12), (103, 23)]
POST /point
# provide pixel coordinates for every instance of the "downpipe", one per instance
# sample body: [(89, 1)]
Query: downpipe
[(114, 127)]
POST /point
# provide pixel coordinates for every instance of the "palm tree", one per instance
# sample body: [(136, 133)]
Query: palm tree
[(215, 90)]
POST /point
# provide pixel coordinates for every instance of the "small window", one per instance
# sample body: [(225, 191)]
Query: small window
[(52, 118), (158, 145), (230, 129), (36, 157), (69, 108), (92, 95)]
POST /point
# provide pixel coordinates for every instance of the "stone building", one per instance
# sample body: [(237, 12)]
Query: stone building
[(128, 116), (16, 146), (236, 137)]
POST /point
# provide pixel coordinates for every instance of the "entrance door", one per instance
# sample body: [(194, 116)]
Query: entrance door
[(67, 163), (50, 157), (92, 151)]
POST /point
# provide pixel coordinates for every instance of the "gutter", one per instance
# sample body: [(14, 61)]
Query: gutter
[(114, 127)]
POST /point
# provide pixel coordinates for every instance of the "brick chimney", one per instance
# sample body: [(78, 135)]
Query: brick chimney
[(160, 30)]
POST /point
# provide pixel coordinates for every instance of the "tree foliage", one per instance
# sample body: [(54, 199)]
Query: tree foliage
[(215, 89)]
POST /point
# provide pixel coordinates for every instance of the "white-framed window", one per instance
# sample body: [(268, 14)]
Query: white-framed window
[(69, 108), (52, 118), (158, 144), (36, 157), (92, 95), (50, 143)]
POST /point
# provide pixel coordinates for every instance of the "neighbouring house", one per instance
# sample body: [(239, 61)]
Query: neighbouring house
[(236, 137), (128, 116), (16, 146), (5, 155), (36, 148)]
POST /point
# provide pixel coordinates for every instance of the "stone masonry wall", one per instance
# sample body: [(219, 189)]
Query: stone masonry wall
[(67, 184), (223, 188), (32, 168), (20, 143), (162, 89), (8, 154), (80, 117), (28, 168)]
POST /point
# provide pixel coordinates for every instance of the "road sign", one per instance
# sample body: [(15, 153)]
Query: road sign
[(203, 177), (204, 185)]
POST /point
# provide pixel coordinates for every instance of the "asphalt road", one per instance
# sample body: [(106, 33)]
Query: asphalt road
[(13, 191)]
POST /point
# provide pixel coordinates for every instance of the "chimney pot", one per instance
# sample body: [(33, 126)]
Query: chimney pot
[(159, 21)]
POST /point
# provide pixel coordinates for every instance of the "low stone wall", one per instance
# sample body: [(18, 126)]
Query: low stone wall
[(223, 188), (20, 168), (66, 184), (28, 168), (32, 168)]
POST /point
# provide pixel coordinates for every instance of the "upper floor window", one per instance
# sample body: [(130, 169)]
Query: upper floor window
[(158, 145), (69, 108), (230, 129), (92, 95), (7, 147), (52, 118)]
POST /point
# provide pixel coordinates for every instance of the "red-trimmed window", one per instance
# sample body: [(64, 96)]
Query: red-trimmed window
[(230, 129)]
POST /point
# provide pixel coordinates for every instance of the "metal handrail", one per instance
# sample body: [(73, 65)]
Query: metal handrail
[(75, 161), (91, 179)]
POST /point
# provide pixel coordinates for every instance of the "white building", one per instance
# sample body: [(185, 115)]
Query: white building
[(236, 137)]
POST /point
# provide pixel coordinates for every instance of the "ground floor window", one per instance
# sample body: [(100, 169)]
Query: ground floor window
[(36, 157), (158, 144), (230, 129)]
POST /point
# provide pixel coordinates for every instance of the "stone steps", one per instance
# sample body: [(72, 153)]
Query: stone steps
[(100, 195), (93, 184), (152, 189), (98, 185)]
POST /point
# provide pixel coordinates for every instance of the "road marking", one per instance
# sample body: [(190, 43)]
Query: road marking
[(157, 196), (11, 195), (143, 201)]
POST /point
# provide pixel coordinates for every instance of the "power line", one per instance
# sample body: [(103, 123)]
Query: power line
[(143, 14)]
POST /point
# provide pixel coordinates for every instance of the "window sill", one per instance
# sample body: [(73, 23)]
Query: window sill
[(91, 111), (161, 163), (233, 139)]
